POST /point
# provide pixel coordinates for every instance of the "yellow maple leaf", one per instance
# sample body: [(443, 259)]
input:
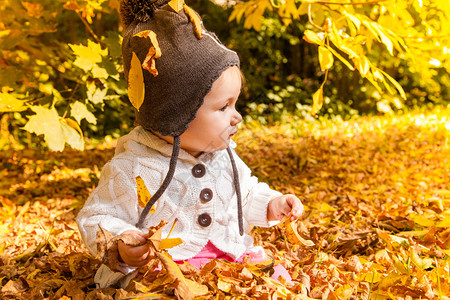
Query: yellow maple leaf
[(136, 88), (292, 234)]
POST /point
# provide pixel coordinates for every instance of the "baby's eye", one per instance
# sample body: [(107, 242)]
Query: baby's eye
[(223, 108)]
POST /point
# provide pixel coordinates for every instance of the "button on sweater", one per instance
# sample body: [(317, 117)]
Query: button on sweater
[(200, 197)]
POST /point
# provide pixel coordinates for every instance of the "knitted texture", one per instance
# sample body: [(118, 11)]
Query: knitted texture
[(187, 68), (114, 206)]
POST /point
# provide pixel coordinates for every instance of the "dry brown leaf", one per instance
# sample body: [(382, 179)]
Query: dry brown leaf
[(154, 52), (365, 166), (175, 274), (195, 20), (292, 234)]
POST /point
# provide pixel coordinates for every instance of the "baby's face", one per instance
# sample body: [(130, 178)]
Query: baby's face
[(217, 119)]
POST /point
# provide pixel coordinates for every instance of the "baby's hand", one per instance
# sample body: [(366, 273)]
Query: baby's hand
[(284, 205), (135, 256)]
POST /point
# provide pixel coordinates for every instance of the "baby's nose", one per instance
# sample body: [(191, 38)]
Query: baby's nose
[(237, 118)]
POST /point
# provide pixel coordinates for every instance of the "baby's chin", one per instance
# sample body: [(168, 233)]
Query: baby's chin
[(222, 146)]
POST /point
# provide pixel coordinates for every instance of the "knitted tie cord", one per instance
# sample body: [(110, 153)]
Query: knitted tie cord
[(238, 191), (165, 184)]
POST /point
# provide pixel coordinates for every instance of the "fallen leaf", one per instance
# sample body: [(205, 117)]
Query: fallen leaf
[(174, 273), (292, 234)]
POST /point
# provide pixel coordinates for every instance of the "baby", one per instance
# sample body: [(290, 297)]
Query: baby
[(182, 149)]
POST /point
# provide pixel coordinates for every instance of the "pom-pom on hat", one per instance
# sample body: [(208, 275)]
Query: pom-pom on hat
[(170, 63)]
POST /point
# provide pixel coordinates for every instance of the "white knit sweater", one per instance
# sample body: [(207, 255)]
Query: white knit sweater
[(113, 204)]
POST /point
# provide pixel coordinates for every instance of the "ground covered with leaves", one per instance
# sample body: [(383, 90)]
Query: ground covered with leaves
[(376, 192)]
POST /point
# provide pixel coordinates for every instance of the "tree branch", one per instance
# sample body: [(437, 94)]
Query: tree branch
[(90, 29)]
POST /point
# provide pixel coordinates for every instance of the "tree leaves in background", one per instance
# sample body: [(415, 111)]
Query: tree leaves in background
[(79, 111), (56, 131), (88, 56), (325, 58), (414, 31), (10, 103)]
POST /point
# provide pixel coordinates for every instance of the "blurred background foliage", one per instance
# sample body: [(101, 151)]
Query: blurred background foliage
[(61, 69)]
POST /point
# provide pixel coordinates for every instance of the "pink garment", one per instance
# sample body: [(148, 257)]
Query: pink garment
[(211, 252)]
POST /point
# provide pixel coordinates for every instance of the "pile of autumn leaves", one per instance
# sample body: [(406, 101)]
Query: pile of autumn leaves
[(377, 221)]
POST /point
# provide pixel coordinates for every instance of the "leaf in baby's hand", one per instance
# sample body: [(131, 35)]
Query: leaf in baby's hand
[(143, 194), (136, 88), (160, 243), (154, 233), (170, 243), (292, 234), (107, 248), (130, 240)]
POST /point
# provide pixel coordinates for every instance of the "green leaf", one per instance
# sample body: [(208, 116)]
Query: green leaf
[(79, 111), (9, 103), (55, 130), (113, 40)]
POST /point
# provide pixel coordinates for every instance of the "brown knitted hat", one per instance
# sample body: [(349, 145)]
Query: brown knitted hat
[(176, 60), (191, 59)]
